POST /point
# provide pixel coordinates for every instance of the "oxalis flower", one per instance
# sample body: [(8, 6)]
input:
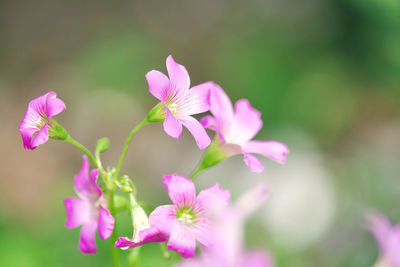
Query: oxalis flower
[(388, 239), (187, 220), (143, 232), (36, 124), (179, 102), (89, 210), (235, 130), (228, 248)]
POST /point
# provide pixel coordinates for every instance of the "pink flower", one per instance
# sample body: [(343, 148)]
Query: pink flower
[(179, 101), (388, 239), (143, 232), (236, 129), (228, 249), (88, 210), (34, 125), (188, 219)]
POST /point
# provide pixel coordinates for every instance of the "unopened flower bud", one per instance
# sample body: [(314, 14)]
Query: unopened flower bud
[(102, 145), (157, 113)]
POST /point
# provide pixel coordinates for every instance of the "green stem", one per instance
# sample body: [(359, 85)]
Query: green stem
[(114, 250), (196, 172), (71, 140), (128, 140)]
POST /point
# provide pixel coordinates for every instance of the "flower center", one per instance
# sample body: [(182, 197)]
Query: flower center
[(185, 215), (40, 122), (172, 107)]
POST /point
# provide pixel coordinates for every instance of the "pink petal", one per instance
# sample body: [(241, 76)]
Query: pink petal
[(150, 235), (197, 131), (254, 163), (220, 104), (54, 105), (87, 242), (41, 137), (26, 135), (203, 232), (257, 259), (213, 196), (172, 126), (105, 223), (196, 101), (158, 84), (381, 228), (124, 243), (180, 189), (86, 187), (209, 122), (37, 107), (32, 119), (78, 212), (247, 120), (271, 149), (183, 241), (164, 219), (179, 79)]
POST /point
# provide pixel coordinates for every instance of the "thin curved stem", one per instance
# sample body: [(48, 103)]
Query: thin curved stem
[(128, 140), (71, 140), (196, 172)]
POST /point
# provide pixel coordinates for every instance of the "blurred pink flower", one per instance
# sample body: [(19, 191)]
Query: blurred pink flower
[(88, 210), (236, 129), (179, 101), (34, 125), (188, 219), (388, 239), (228, 249)]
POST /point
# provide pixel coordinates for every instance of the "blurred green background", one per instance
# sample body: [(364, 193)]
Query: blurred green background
[(324, 73)]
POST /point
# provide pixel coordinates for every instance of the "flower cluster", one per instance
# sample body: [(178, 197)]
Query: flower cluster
[(205, 220)]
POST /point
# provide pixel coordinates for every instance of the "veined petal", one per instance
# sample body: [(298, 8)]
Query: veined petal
[(149, 235), (220, 104), (253, 162), (78, 212), (105, 223), (26, 135), (270, 149), (41, 137), (183, 241), (197, 131), (212, 197), (179, 80), (180, 189), (247, 122), (164, 219), (54, 105), (85, 186), (35, 112), (158, 84), (203, 233), (196, 101), (172, 126), (87, 236)]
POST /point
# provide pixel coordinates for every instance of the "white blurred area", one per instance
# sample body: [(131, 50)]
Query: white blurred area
[(302, 204)]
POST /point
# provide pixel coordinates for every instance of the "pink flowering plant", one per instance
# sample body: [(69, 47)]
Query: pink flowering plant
[(201, 227)]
